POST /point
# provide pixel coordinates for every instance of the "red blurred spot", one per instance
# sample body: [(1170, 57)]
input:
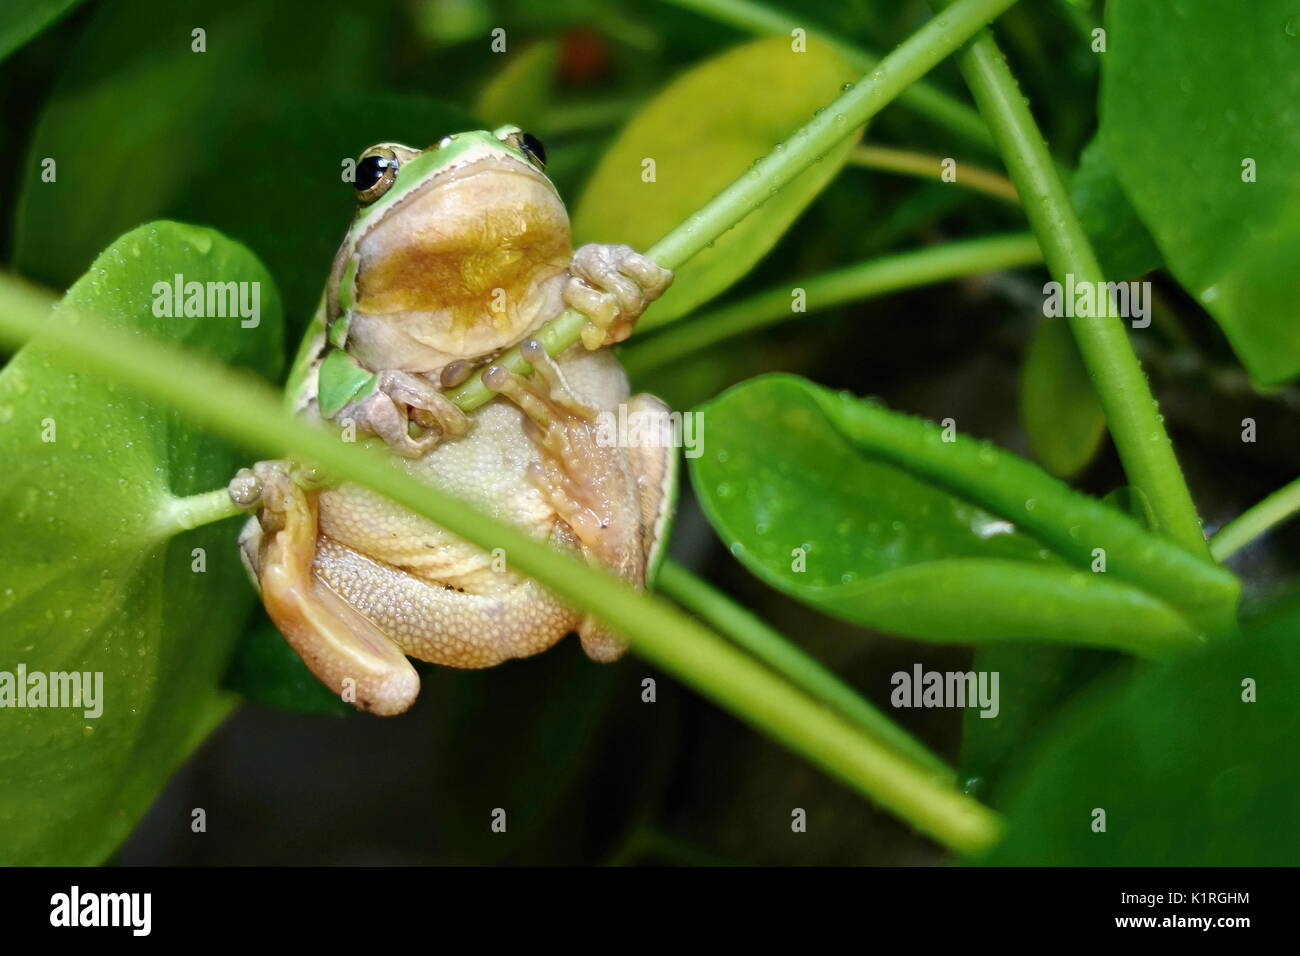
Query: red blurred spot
[(584, 57)]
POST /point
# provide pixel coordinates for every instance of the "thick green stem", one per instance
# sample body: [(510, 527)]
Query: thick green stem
[(905, 270), (928, 101), (1131, 411), (252, 414), (1278, 507), (800, 669), (864, 99)]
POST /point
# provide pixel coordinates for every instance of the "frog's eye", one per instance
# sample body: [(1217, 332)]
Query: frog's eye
[(376, 171), (532, 148)]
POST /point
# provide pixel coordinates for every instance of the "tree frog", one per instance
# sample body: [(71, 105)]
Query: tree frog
[(456, 253)]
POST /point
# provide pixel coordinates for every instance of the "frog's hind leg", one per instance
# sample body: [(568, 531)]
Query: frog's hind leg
[(344, 650), (654, 462), (444, 623), (585, 477)]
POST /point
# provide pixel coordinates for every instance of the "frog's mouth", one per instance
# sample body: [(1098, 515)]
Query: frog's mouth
[(460, 264)]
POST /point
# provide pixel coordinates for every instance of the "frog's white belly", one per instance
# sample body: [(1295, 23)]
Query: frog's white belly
[(488, 468)]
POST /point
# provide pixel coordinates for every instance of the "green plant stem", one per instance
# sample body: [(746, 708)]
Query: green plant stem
[(197, 510), (251, 413), (862, 100), (1278, 507), (905, 270), (804, 671), (931, 167), (928, 101), (1081, 17), (1131, 410)]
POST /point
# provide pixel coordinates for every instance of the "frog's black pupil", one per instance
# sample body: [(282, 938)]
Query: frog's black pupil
[(533, 146), (370, 170)]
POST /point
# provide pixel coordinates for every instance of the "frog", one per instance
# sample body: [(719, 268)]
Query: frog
[(456, 254)]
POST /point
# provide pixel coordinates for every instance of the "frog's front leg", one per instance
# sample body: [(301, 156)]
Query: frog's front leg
[(385, 403), (344, 650), (593, 485), (612, 285), (398, 399)]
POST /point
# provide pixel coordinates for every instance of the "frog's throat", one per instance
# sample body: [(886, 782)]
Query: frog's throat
[(460, 268), (425, 342)]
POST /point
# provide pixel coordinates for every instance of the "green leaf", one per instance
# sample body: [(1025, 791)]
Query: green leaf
[(1123, 245), (901, 529), (1059, 411), (1187, 773), (22, 20), (702, 132), (1035, 682), (97, 569), (1189, 94), (520, 92), (136, 114)]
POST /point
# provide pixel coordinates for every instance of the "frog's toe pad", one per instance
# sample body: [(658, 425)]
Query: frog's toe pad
[(612, 285)]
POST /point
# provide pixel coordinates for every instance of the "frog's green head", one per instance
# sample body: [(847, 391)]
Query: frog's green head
[(451, 243)]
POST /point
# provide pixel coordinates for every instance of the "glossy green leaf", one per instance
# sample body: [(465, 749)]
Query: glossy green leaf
[(520, 92), (1123, 245), (1197, 98), (1059, 411), (694, 138), (21, 20), (875, 517), (1187, 772), (98, 574)]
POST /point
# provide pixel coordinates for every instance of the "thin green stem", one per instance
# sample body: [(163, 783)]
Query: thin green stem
[(1081, 16), (1278, 507), (924, 166), (929, 101), (905, 270), (1131, 410), (862, 100), (252, 414), (196, 510), (802, 670)]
